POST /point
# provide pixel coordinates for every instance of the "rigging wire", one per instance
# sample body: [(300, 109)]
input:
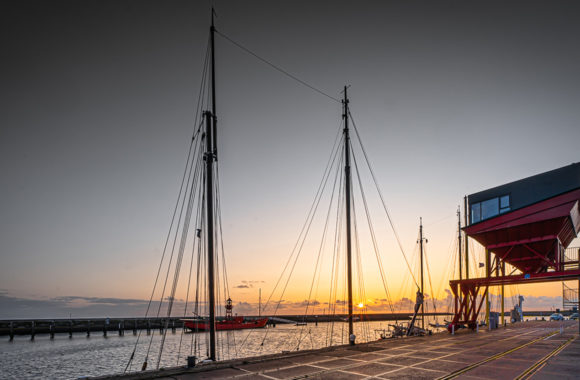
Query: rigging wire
[(277, 68), (373, 235), (193, 249), (296, 250), (301, 245), (172, 223), (184, 232), (312, 210), (181, 188), (381, 197), (336, 249), (322, 244), (429, 277)]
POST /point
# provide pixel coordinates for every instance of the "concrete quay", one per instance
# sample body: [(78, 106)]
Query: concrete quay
[(538, 349)]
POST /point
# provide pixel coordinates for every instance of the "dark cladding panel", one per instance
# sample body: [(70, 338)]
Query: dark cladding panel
[(514, 195)]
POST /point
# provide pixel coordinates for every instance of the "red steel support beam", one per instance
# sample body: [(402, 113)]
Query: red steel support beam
[(521, 242), (521, 278)]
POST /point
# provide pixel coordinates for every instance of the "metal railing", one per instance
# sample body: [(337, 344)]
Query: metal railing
[(571, 254)]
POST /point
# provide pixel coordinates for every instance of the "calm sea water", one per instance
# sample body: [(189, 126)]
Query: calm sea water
[(71, 358)]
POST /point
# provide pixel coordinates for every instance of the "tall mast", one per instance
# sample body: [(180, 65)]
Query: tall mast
[(213, 105), (459, 239), (347, 188), (422, 293), (466, 223), (209, 156), (466, 242)]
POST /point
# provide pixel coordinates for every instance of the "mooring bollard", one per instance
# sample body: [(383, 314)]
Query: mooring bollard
[(191, 361), (70, 329), (52, 330), (121, 330), (351, 339), (173, 326), (88, 329), (32, 332), (135, 327), (11, 331), (148, 327), (105, 327)]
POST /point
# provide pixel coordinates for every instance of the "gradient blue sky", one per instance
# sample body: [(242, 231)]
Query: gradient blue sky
[(96, 113)]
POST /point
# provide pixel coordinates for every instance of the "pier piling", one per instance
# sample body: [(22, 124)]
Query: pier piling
[(52, 330), (32, 332), (11, 333), (88, 329)]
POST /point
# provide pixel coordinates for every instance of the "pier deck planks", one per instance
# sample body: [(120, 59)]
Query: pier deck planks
[(504, 353)]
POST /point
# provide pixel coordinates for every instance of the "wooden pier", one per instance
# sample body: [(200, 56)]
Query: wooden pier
[(33, 327), (544, 350), (104, 326)]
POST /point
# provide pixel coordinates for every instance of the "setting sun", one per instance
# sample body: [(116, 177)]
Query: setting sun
[(360, 305)]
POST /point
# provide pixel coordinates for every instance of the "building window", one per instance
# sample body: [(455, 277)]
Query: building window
[(504, 204), (475, 212), (489, 208)]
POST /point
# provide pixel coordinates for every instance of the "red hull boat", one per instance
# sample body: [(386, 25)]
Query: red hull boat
[(235, 323), (229, 323)]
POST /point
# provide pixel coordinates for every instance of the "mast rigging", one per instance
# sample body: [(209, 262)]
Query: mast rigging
[(347, 189), (209, 156)]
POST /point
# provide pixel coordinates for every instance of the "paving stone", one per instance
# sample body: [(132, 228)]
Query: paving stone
[(266, 365), (402, 360), (412, 374), (336, 363), (223, 373), (307, 359), (341, 353), (440, 365), (427, 354), (372, 369), (367, 357), (337, 375), (300, 370)]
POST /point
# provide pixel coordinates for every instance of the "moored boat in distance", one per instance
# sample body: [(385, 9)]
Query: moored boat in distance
[(236, 323), (229, 323)]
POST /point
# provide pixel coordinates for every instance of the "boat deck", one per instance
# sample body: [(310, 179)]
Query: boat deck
[(544, 350)]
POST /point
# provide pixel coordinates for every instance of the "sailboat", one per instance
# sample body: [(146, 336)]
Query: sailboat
[(230, 322)]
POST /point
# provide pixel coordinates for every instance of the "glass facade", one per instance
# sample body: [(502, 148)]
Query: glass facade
[(489, 208)]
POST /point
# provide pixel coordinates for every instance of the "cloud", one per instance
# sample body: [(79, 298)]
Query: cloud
[(247, 284), (12, 307), (245, 308)]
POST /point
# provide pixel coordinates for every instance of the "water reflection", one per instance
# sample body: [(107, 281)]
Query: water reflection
[(66, 358)]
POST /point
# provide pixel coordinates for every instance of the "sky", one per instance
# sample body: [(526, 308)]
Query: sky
[(97, 103)]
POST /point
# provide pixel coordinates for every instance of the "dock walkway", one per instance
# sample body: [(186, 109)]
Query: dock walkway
[(543, 350)]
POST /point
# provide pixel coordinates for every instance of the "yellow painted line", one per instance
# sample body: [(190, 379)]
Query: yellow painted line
[(542, 362), (493, 357)]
